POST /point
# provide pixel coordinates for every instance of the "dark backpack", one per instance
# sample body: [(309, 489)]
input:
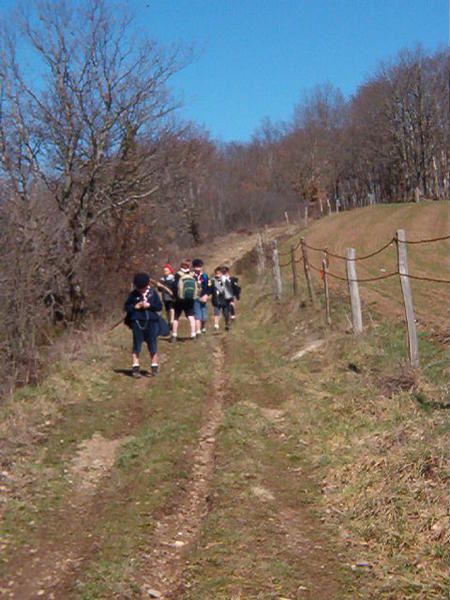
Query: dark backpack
[(187, 287)]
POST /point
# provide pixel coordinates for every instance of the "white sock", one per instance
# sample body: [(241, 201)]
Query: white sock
[(216, 326), (154, 364), (135, 365)]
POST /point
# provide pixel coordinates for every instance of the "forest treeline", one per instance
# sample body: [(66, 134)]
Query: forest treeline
[(99, 175)]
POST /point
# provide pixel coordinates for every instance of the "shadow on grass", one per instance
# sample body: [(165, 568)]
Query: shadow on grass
[(129, 372), (179, 340)]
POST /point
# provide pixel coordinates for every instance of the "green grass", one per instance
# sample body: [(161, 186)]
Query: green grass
[(321, 463), (380, 454), (371, 447), (157, 420)]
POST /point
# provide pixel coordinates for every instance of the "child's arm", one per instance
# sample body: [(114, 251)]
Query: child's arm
[(236, 288), (130, 304), (204, 288), (155, 301)]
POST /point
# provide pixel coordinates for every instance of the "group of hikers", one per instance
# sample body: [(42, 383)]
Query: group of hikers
[(186, 291)]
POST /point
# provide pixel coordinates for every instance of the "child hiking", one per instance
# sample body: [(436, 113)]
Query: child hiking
[(186, 292), (222, 296), (142, 307), (201, 303), (235, 288), (168, 280)]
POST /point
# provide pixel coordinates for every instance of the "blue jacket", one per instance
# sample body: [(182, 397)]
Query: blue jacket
[(204, 288), (148, 314)]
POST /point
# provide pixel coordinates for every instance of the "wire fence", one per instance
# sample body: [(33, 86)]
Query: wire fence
[(399, 243)]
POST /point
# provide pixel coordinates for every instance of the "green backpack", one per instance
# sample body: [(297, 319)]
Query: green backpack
[(187, 287)]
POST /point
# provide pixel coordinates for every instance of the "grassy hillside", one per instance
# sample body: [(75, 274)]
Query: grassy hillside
[(251, 468), (370, 228)]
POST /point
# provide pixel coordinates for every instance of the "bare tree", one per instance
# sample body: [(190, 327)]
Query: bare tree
[(86, 128)]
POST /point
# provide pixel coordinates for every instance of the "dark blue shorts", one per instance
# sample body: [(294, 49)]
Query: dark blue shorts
[(225, 309), (145, 331)]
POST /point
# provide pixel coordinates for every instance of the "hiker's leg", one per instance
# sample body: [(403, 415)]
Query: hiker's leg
[(204, 316), (177, 313), (138, 338), (151, 338), (226, 315), (169, 312), (198, 316), (193, 325), (189, 312), (152, 343), (216, 313)]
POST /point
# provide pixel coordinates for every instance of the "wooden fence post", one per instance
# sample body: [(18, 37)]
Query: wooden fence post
[(353, 288), (294, 272), (326, 289), (307, 270), (261, 256), (402, 260), (278, 288), (306, 216), (286, 216)]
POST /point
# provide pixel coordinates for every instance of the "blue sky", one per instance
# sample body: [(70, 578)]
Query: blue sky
[(255, 58)]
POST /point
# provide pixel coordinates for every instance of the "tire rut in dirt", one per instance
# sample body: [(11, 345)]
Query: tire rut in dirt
[(163, 568)]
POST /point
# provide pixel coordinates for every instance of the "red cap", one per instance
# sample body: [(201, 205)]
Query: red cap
[(171, 269)]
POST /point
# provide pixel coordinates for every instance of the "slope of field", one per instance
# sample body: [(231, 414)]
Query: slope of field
[(370, 228), (280, 460)]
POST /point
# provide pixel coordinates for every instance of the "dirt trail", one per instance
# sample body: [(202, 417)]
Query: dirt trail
[(66, 546), (162, 572), (66, 542)]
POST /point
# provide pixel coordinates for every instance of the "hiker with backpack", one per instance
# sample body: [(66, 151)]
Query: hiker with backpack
[(142, 307), (222, 296), (201, 303), (235, 288), (186, 292), (168, 281)]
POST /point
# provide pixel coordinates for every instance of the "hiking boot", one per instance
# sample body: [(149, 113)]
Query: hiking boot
[(173, 339), (136, 372), (203, 331), (154, 370)]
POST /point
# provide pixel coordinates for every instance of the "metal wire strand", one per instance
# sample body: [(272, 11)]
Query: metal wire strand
[(357, 258), (363, 280), (379, 277), (429, 241)]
